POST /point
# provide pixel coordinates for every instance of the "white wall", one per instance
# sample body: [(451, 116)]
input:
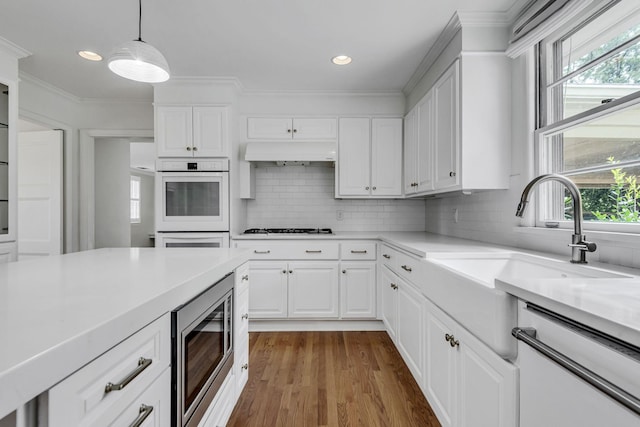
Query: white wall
[(303, 196), (112, 222), (140, 231)]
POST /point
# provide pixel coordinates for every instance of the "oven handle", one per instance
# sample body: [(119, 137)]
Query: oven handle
[(528, 336)]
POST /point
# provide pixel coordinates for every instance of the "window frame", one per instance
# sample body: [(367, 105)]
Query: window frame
[(547, 198)]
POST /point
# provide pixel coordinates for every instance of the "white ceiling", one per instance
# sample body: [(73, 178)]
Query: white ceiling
[(266, 44)]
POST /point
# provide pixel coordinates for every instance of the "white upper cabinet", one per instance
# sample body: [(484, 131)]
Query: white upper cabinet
[(185, 131), (369, 158), (459, 140), (284, 128)]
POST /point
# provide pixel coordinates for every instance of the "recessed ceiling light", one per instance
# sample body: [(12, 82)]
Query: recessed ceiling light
[(91, 56), (341, 60)]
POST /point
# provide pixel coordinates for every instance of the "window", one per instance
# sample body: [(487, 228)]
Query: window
[(589, 116), (135, 199)]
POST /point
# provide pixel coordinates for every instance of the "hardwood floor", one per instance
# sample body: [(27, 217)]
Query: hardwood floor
[(329, 379)]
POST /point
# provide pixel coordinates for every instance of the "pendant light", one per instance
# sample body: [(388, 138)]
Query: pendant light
[(139, 61)]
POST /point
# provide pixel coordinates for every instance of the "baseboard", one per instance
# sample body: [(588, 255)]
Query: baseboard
[(315, 325)]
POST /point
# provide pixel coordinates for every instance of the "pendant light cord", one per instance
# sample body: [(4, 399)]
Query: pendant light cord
[(140, 22)]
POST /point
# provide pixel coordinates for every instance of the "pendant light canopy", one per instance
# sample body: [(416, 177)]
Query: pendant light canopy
[(139, 61)]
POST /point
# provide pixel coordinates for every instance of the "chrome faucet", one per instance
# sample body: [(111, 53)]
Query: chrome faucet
[(579, 245)]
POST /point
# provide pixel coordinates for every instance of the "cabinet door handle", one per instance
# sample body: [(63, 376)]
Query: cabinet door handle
[(290, 271), (145, 411), (261, 252), (394, 286), (366, 188), (454, 342), (288, 130), (142, 365), (344, 271), (405, 268), (245, 316), (188, 148), (195, 148), (359, 252), (313, 252), (295, 131), (245, 277), (245, 366), (284, 271), (452, 174), (374, 188), (448, 337), (386, 256)]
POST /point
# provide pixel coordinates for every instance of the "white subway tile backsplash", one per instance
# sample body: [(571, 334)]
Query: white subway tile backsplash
[(303, 196)]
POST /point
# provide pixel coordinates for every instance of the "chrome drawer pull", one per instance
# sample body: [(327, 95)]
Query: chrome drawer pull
[(393, 286), (359, 252), (405, 268), (528, 336), (386, 256), (245, 277), (313, 252), (142, 365), (245, 366), (245, 316), (145, 411), (261, 252)]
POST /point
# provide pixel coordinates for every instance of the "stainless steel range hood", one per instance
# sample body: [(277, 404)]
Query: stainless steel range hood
[(290, 152)]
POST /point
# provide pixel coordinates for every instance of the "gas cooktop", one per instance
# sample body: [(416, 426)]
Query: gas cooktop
[(288, 231)]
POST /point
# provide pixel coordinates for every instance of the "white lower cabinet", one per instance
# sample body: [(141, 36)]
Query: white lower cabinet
[(269, 288), (358, 289), (313, 289), (299, 289), (389, 284), (409, 337), (86, 399), (222, 406), (465, 382), (241, 328)]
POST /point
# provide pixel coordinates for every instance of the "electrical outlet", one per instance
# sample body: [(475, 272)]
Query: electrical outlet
[(339, 215)]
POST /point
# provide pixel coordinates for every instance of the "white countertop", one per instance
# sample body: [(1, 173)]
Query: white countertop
[(58, 313)]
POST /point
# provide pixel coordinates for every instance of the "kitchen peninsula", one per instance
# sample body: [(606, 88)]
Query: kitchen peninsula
[(59, 313)]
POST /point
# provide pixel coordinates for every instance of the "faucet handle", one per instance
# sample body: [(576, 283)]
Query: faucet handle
[(584, 246)]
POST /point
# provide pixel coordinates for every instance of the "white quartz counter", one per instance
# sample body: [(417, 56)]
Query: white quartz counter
[(59, 313)]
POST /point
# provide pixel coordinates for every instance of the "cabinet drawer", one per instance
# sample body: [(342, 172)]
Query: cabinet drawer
[(298, 250), (154, 405), (389, 257), (358, 251), (82, 399), (408, 267)]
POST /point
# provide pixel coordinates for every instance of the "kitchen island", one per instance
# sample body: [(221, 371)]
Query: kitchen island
[(59, 313)]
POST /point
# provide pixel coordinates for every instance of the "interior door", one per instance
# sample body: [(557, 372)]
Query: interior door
[(39, 193)]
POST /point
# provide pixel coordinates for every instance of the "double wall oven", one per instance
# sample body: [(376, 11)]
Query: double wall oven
[(192, 197), (202, 351)]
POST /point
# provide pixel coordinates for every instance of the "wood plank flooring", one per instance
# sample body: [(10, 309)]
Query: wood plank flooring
[(329, 379)]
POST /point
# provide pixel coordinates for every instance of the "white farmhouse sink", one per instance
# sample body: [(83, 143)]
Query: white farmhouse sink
[(485, 268), (462, 284)]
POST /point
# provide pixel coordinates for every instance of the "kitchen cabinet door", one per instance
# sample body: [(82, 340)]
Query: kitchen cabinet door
[(389, 284), (174, 131), (267, 128), (487, 385), (440, 366), (386, 157), (268, 289), (425, 131), (358, 289), (410, 328), (410, 143), (313, 289), (210, 132), (312, 129), (354, 157), (446, 173)]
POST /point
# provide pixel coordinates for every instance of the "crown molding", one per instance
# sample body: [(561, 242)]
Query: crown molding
[(13, 49), (199, 80), (450, 30), (336, 93)]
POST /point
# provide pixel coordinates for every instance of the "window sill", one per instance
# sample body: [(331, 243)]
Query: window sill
[(605, 236)]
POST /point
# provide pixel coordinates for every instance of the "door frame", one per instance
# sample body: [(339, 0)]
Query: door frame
[(87, 175)]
